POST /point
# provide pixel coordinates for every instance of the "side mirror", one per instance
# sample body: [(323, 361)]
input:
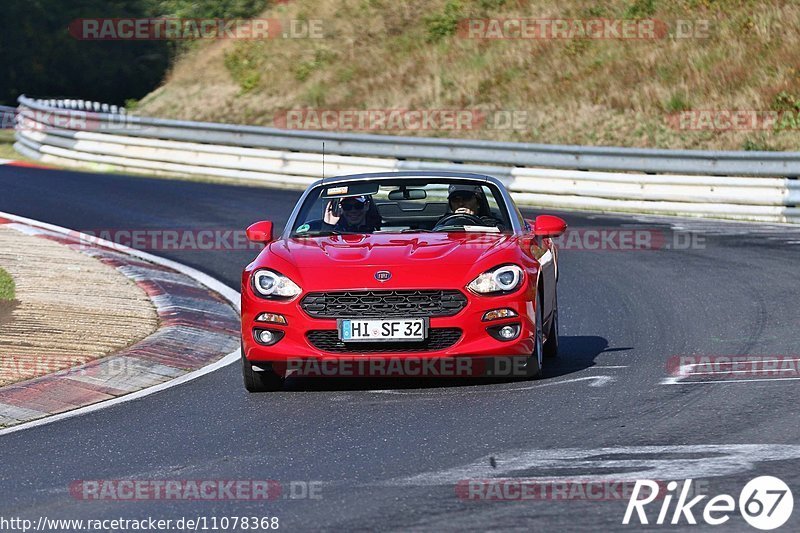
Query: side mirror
[(260, 232), (549, 226)]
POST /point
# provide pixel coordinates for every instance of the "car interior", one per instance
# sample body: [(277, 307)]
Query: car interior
[(401, 207)]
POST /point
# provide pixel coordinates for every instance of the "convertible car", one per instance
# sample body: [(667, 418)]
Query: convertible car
[(392, 266)]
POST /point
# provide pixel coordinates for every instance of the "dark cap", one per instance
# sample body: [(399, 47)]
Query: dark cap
[(360, 199), (463, 190)]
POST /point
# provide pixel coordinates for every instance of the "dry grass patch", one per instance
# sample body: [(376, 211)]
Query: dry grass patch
[(406, 54)]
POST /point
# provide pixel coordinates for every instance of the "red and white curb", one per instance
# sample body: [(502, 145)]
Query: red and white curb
[(26, 164), (198, 333)]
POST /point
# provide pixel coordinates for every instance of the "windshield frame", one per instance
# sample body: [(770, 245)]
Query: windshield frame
[(504, 201)]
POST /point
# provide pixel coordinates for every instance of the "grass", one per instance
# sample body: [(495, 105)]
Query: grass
[(409, 54), (6, 286), (7, 145)]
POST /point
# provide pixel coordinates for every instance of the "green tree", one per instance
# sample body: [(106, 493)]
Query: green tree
[(40, 57)]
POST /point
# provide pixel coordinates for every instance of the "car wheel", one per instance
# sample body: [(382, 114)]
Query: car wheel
[(533, 366), (551, 345), (259, 380)]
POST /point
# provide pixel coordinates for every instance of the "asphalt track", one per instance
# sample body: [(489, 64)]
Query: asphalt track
[(386, 454)]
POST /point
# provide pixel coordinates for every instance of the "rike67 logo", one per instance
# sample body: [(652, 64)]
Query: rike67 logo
[(765, 503)]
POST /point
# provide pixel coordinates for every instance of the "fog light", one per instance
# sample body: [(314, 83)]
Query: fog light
[(273, 318), (267, 337), (497, 314), (508, 332), (504, 333)]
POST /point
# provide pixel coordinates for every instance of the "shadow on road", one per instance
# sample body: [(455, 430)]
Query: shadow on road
[(576, 353)]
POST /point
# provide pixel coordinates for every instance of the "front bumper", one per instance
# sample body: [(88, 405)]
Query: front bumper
[(461, 335)]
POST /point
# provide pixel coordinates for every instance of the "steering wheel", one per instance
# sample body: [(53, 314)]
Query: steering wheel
[(463, 218)]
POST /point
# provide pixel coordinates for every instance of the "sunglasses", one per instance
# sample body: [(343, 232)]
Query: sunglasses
[(352, 207), (465, 196)]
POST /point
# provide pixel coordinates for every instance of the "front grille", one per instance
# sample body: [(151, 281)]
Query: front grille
[(438, 339), (383, 304)]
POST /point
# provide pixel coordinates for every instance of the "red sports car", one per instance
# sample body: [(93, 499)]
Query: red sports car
[(426, 267)]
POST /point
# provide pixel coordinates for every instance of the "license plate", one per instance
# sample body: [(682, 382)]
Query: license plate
[(402, 329)]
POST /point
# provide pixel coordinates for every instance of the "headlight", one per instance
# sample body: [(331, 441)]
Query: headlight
[(505, 278), (271, 284)]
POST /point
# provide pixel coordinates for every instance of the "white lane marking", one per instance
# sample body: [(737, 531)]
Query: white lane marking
[(677, 381), (644, 462), (741, 362), (755, 372), (684, 372), (597, 381), (233, 297)]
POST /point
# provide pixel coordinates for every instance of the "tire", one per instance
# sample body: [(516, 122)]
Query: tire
[(259, 381), (533, 366), (551, 345)]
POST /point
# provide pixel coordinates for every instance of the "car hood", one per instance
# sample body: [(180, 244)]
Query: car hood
[(387, 250)]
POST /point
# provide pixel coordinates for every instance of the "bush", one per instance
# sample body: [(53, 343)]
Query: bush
[(6, 286), (244, 66), (444, 24), (678, 102), (640, 9), (758, 144)]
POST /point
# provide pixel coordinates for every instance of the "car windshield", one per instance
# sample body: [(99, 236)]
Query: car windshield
[(402, 207)]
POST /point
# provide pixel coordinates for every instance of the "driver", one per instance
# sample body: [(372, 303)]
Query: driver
[(470, 200), (358, 215)]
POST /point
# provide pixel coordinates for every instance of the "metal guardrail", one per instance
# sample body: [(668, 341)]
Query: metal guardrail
[(700, 183), (504, 153)]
